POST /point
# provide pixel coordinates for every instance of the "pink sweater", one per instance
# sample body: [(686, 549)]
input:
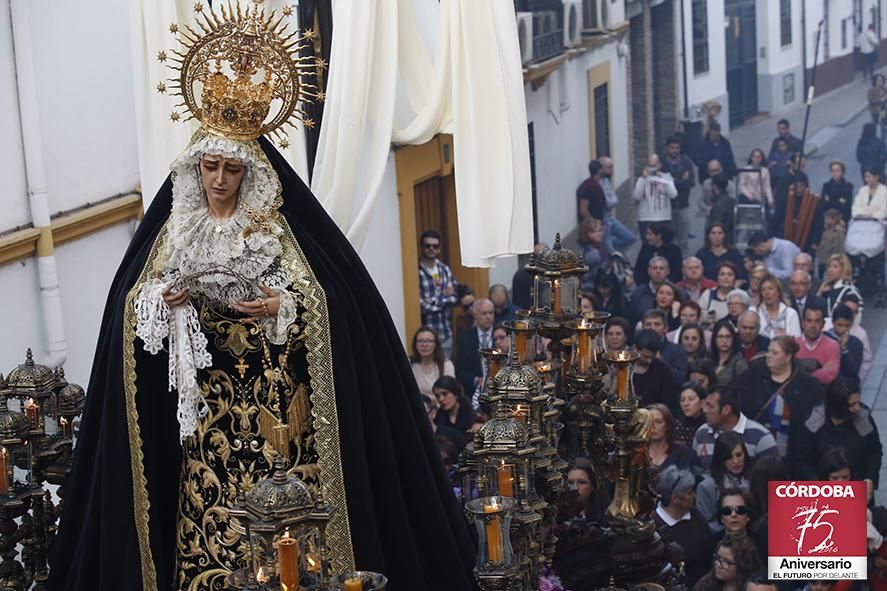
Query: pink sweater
[(827, 352)]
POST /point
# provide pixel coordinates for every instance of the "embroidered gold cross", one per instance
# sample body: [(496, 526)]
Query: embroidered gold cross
[(241, 366)]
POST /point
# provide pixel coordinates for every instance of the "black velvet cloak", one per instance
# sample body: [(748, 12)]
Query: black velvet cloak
[(404, 519)]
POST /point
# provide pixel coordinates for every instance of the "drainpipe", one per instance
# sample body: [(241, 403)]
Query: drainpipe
[(56, 345), (804, 42), (684, 62)]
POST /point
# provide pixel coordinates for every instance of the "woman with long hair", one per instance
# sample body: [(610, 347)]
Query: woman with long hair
[(756, 274), (669, 300), (754, 187), (730, 468), (713, 302), (702, 371), (455, 409), (718, 248), (665, 447), (690, 418), (837, 287), (777, 318), (428, 361), (871, 200), (735, 560), (608, 293), (692, 339), (725, 352), (778, 392), (584, 497)]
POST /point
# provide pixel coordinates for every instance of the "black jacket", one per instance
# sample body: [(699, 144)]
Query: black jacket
[(677, 171), (838, 196), (669, 250), (812, 300), (818, 434), (467, 361), (802, 393)]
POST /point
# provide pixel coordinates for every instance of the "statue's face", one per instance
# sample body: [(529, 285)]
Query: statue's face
[(221, 178)]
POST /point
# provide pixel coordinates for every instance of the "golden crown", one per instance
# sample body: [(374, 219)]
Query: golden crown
[(242, 75)]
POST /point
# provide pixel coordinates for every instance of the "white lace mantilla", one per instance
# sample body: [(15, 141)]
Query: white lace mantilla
[(196, 245)]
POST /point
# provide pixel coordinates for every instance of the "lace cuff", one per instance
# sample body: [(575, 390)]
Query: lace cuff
[(187, 349), (187, 354), (277, 327), (152, 316)]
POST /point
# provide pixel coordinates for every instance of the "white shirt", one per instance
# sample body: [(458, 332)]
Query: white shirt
[(786, 322), (871, 204), (868, 41), (654, 194), (485, 339), (668, 519)]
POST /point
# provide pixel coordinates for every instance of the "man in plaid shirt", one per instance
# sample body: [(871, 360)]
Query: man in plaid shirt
[(437, 290)]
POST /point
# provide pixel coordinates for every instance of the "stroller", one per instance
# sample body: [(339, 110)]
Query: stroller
[(864, 246)]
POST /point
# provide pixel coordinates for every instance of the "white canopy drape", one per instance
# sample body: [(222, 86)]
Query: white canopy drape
[(473, 89)]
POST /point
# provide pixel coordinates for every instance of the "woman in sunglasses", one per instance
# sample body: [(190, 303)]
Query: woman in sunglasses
[(729, 469), (734, 513)]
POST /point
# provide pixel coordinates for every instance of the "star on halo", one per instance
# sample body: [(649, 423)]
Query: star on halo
[(161, 56), (174, 28), (284, 144), (161, 87), (287, 10), (321, 96), (309, 123), (198, 7), (310, 34), (174, 116)]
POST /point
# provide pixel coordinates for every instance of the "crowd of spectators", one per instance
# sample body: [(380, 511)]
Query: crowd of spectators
[(750, 362)]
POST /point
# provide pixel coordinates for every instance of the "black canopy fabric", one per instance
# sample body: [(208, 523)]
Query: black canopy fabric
[(404, 519)]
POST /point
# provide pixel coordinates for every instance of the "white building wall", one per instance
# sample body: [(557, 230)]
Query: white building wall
[(778, 66), (86, 268), (711, 85), (83, 72), (13, 198)]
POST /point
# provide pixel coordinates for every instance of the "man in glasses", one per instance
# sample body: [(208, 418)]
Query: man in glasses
[(437, 289)]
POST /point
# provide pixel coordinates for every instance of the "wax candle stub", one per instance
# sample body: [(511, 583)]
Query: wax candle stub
[(505, 480), (493, 530), (353, 584), (288, 555)]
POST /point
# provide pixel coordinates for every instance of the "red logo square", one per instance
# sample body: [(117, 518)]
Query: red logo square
[(816, 529)]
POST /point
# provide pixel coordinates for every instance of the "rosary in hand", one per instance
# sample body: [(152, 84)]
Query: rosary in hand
[(179, 293)]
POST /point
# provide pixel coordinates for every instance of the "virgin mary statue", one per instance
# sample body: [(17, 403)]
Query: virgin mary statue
[(240, 307)]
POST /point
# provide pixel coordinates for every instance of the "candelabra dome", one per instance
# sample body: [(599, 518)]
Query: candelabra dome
[(31, 379), (557, 260)]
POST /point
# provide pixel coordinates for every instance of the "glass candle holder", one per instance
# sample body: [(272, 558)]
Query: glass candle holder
[(492, 518), (622, 362)]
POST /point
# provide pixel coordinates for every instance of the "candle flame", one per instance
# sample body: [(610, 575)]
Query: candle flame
[(63, 422), (584, 323), (311, 561), (260, 576), (3, 452), (494, 505), (286, 534)]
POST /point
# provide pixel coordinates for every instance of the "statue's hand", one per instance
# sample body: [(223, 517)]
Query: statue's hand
[(176, 297), (259, 307)]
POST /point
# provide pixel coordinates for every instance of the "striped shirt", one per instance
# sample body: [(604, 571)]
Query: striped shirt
[(758, 440)]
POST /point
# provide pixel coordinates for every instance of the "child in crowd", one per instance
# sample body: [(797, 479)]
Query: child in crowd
[(832, 241)]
